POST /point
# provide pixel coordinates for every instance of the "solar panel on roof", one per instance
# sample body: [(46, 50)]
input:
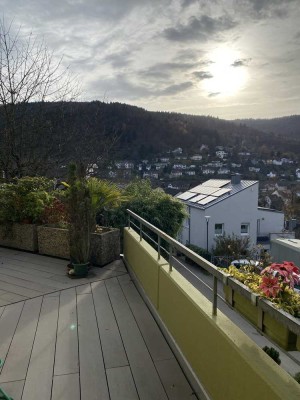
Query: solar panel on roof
[(204, 189), (220, 192), (199, 197), (186, 195), (207, 199), (218, 183)]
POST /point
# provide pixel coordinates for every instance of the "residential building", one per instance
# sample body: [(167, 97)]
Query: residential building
[(220, 206), (196, 157)]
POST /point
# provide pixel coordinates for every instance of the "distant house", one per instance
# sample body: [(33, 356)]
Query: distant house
[(234, 165), (298, 173), (223, 171), (178, 150), (254, 169), (196, 157), (277, 162), (175, 174), (190, 173), (165, 159), (208, 171), (220, 206), (271, 175), (221, 154)]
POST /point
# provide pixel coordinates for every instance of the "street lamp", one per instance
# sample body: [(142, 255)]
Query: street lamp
[(207, 222)]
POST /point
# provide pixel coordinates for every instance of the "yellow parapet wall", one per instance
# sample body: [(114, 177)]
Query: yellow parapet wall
[(229, 365)]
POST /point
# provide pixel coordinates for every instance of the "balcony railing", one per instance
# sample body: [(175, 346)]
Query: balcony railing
[(224, 361), (172, 247)]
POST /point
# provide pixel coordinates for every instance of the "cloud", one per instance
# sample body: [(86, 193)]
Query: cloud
[(176, 88), (199, 29), (242, 62), (201, 75), (262, 9), (214, 94), (186, 3), (118, 60)]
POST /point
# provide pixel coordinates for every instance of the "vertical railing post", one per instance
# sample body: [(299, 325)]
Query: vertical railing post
[(128, 221), (170, 258), (215, 295), (158, 247), (141, 230)]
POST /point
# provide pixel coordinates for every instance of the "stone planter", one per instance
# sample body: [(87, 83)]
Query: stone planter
[(19, 236), (53, 241), (105, 246), (280, 326)]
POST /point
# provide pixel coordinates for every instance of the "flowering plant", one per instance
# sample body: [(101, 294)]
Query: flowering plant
[(276, 283), (287, 274)]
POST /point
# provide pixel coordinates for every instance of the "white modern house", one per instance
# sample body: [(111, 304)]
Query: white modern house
[(220, 206)]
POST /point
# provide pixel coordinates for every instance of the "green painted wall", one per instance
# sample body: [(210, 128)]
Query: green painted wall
[(228, 364)]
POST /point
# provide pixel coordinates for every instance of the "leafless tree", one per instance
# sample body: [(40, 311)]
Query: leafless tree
[(29, 73)]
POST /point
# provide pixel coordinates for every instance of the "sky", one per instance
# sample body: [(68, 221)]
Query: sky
[(225, 58)]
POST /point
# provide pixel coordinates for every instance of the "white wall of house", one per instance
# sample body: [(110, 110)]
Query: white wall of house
[(269, 221), (241, 208)]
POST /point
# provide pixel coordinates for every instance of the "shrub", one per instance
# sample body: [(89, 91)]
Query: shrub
[(297, 377), (154, 205), (273, 353), (231, 245), (24, 200)]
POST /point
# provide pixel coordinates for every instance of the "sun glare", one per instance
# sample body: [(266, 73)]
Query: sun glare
[(227, 79)]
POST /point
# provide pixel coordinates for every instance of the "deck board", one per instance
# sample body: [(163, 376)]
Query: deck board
[(92, 373), (9, 322), (144, 373), (16, 363), (66, 359), (152, 335), (66, 387), (112, 346), (121, 384), (38, 384)]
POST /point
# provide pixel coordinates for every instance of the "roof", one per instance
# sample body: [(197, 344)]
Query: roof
[(212, 191), (269, 210)]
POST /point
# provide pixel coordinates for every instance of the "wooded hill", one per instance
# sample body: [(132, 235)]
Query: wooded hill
[(284, 126), (87, 129), (144, 133)]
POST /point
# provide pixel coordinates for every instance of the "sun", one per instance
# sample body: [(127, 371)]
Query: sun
[(226, 79)]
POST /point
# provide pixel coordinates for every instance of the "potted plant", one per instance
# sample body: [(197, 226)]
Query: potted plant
[(21, 205), (268, 300), (81, 220), (105, 240)]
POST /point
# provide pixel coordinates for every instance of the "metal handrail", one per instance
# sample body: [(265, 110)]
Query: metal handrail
[(175, 245), (291, 322)]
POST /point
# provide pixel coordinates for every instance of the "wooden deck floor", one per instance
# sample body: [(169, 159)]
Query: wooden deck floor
[(95, 340), (25, 275)]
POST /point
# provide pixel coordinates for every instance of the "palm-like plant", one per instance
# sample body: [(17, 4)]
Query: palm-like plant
[(105, 195)]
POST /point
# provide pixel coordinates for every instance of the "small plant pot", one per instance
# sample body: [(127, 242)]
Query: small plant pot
[(78, 270)]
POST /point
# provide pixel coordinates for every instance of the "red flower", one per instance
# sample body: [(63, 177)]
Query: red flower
[(287, 272), (270, 286)]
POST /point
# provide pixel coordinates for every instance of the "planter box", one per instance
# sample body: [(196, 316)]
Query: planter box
[(19, 236), (105, 246), (280, 326), (53, 241)]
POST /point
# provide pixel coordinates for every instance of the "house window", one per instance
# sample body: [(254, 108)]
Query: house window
[(219, 229), (245, 229)]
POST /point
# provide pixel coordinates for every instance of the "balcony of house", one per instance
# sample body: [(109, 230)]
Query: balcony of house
[(139, 331), (264, 239)]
